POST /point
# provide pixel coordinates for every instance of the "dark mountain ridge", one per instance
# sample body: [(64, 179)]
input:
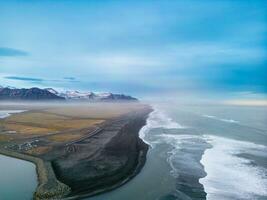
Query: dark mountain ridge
[(7, 93), (15, 94)]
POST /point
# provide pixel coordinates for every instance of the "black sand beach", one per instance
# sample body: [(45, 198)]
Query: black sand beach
[(105, 161)]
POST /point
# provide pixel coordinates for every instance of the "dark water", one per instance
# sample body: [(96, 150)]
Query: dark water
[(18, 178), (201, 152)]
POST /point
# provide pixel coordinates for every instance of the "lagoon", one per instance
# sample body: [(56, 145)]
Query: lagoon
[(18, 179)]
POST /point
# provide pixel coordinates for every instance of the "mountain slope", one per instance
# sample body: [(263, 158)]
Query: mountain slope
[(92, 96), (10, 93), (7, 93)]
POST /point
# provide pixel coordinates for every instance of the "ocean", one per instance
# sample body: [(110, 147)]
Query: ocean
[(213, 152)]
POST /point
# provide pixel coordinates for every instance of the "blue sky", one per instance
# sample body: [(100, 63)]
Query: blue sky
[(135, 47)]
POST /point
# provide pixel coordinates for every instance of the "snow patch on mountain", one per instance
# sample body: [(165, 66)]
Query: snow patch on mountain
[(93, 96)]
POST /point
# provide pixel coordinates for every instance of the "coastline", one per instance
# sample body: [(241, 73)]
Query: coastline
[(115, 163), (124, 141)]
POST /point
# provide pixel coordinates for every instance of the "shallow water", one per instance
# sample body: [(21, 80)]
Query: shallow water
[(18, 178), (198, 152)]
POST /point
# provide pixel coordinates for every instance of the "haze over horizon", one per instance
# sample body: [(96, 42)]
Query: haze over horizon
[(137, 48), (133, 99)]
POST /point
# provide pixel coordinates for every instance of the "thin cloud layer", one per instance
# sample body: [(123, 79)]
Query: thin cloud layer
[(138, 47), (24, 78), (12, 52)]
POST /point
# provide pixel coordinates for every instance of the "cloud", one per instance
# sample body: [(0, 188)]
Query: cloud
[(246, 102), (69, 78), (39, 80), (167, 45), (12, 52), (24, 78)]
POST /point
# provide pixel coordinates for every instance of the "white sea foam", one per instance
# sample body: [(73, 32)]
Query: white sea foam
[(158, 119), (179, 142), (209, 116), (221, 119), (229, 176)]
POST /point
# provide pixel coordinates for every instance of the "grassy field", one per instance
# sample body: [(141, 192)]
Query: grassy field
[(56, 123), (42, 122), (65, 137), (95, 111), (5, 138), (39, 150)]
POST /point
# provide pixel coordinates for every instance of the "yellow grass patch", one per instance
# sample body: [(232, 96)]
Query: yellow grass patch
[(5, 137), (32, 116), (65, 137), (27, 130), (39, 150), (40, 123), (95, 111), (77, 123)]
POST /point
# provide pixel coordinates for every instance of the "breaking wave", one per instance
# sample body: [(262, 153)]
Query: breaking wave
[(230, 176), (214, 162), (158, 119), (221, 119)]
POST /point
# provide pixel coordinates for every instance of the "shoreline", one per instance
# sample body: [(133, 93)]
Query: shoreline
[(115, 163), (141, 163), (52, 179)]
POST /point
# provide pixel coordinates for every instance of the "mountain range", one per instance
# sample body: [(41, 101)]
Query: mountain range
[(10, 93)]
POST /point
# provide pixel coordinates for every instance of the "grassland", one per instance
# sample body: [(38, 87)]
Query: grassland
[(5, 138), (42, 122), (56, 123), (65, 137), (39, 150)]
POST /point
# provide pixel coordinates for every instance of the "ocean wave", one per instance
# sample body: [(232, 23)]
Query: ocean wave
[(223, 174), (221, 119), (158, 119), (185, 148), (230, 176)]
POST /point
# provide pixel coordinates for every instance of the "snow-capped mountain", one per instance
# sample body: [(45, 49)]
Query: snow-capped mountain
[(92, 96), (52, 91), (77, 95), (10, 93)]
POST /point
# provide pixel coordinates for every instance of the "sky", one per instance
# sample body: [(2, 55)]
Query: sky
[(136, 47)]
